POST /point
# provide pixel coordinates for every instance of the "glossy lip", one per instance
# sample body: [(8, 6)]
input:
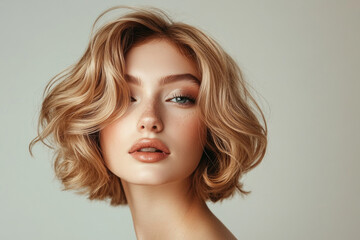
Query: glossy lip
[(147, 143), (149, 157)]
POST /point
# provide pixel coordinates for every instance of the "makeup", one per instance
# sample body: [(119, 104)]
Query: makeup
[(160, 139), (149, 150), (149, 157)]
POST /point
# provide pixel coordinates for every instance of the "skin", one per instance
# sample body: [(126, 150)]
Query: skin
[(159, 194)]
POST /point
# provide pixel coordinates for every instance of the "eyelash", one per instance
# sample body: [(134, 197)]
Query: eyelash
[(190, 100)]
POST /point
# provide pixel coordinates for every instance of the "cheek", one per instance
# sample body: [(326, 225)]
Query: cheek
[(189, 133), (111, 141), (116, 135)]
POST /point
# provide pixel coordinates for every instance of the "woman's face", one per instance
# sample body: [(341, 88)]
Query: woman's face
[(159, 110)]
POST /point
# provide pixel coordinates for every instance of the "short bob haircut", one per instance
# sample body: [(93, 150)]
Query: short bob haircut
[(81, 100)]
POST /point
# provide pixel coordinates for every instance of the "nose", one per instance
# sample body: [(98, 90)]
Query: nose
[(150, 120)]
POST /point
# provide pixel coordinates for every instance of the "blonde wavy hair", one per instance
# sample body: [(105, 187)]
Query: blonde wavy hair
[(81, 100)]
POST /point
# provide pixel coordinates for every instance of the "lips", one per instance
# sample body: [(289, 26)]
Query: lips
[(149, 143), (149, 157)]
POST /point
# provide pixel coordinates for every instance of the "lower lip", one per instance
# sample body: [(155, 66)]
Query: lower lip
[(149, 157)]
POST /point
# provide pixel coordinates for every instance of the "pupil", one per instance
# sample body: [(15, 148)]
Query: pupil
[(180, 99)]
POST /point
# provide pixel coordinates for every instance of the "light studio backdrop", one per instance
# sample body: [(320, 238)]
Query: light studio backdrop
[(302, 58)]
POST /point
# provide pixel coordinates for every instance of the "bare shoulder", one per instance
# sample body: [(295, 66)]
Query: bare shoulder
[(212, 228), (201, 223), (216, 230)]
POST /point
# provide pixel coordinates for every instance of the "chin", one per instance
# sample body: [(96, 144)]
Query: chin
[(153, 178), (152, 174), (150, 179)]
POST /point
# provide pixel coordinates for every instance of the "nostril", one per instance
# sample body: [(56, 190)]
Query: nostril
[(152, 127)]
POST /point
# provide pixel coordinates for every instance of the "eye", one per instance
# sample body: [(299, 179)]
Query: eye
[(183, 99), (132, 99)]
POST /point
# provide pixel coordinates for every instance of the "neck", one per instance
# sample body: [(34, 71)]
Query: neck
[(164, 211)]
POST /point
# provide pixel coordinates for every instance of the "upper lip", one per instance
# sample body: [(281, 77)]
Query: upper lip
[(149, 143)]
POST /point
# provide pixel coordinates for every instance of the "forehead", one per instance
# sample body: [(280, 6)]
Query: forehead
[(158, 57)]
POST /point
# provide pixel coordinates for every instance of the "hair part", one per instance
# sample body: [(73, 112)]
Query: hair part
[(84, 98)]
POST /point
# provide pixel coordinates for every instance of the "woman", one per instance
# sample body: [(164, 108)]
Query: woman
[(157, 116)]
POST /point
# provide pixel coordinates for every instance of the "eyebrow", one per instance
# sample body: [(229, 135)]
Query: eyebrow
[(166, 79)]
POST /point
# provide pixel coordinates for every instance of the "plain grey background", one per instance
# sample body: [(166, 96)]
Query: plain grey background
[(303, 59)]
